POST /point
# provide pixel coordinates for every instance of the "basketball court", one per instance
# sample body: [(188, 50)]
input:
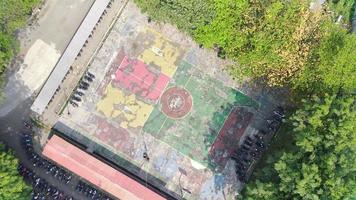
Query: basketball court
[(156, 92)]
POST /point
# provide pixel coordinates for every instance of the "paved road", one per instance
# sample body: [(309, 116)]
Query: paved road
[(53, 28), (10, 133), (16, 107), (41, 45)]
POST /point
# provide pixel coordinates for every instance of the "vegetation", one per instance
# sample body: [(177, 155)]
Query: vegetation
[(13, 15), (309, 51), (282, 42), (332, 63), (12, 185), (269, 39), (322, 165), (187, 15), (342, 7)]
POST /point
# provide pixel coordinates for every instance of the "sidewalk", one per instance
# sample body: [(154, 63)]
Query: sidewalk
[(94, 43)]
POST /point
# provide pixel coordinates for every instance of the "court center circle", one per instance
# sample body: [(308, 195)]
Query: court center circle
[(176, 102)]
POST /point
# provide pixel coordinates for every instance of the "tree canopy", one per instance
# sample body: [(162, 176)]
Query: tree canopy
[(288, 44), (187, 15), (13, 15), (332, 63), (12, 185), (344, 8), (322, 166), (285, 43)]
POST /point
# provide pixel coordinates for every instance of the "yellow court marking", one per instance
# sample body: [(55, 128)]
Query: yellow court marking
[(133, 111), (162, 53)]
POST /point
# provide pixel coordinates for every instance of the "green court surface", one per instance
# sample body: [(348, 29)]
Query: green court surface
[(194, 134)]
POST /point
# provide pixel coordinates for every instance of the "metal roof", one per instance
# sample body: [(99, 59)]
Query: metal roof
[(96, 172), (69, 55)]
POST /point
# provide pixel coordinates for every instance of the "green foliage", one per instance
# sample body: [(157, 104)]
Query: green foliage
[(282, 42), (269, 39), (323, 164), (6, 50), (258, 190), (343, 7), (333, 62), (12, 185), (288, 45), (185, 14), (13, 15)]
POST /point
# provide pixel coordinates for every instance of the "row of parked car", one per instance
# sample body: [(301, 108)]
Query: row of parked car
[(38, 161), (84, 84), (42, 190), (253, 146), (91, 192), (45, 191)]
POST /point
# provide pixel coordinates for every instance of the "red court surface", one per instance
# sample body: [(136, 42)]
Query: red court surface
[(135, 76), (229, 136), (96, 172), (117, 137)]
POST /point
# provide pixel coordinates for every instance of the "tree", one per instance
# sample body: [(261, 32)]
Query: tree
[(12, 185), (13, 15), (187, 15), (344, 8), (323, 164), (268, 39), (282, 42), (261, 191), (288, 45), (333, 67), (6, 52)]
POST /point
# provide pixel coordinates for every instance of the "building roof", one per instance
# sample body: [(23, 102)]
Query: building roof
[(69, 55), (96, 172)]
